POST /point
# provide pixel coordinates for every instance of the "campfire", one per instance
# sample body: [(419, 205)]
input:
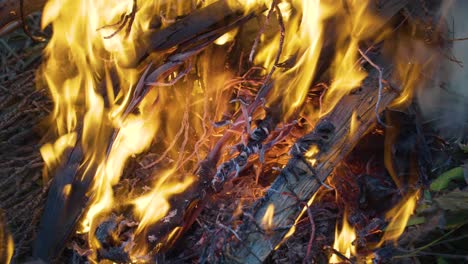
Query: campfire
[(232, 131)]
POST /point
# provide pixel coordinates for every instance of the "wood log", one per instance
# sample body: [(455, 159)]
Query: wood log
[(301, 177), (201, 22)]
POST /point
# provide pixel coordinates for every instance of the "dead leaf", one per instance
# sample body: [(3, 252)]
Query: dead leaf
[(453, 201)]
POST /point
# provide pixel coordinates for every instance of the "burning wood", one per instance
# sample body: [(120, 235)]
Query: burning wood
[(314, 157), (70, 193), (188, 81)]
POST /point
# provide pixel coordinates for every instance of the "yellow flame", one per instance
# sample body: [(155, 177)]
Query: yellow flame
[(292, 230), (267, 220), (51, 152), (399, 216), (359, 25), (153, 206), (343, 241), (10, 249), (409, 73), (249, 5), (353, 125), (311, 153), (302, 44), (7, 249), (79, 59), (227, 37)]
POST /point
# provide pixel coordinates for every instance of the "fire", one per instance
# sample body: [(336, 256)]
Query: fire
[(353, 124), (399, 216), (228, 37), (92, 90), (7, 246), (311, 153), (267, 221), (344, 241), (303, 41), (154, 205)]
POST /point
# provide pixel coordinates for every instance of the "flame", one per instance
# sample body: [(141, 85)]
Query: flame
[(7, 246), (248, 5), (302, 43), (343, 241), (353, 124), (359, 25), (154, 206), (228, 37), (82, 68), (10, 249), (399, 216), (267, 220), (292, 230), (311, 153), (51, 152), (90, 88)]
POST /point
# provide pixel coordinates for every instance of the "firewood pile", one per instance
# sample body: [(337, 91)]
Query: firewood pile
[(228, 131)]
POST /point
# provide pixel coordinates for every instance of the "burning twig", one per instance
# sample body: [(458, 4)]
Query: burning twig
[(262, 29), (281, 43), (126, 20), (379, 98)]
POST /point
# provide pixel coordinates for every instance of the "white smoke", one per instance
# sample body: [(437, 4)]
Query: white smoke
[(445, 101)]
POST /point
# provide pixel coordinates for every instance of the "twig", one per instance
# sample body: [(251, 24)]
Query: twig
[(281, 43), (228, 229), (175, 80), (457, 39), (312, 233), (125, 21), (379, 98), (25, 25), (262, 29)]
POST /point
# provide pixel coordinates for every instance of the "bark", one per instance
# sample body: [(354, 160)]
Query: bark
[(300, 179)]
